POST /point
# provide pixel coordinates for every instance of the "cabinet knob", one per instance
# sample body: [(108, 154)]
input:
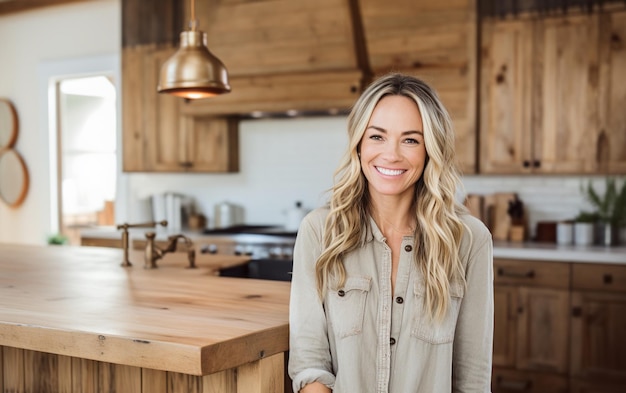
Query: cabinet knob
[(504, 273), (526, 164), (186, 164), (607, 279), (536, 164), (577, 311)]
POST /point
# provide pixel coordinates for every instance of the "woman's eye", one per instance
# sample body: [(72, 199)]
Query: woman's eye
[(412, 141), (376, 137)]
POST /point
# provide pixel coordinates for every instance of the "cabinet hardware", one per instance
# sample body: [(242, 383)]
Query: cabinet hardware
[(504, 273), (577, 311), (607, 279), (186, 164), (526, 164), (536, 164)]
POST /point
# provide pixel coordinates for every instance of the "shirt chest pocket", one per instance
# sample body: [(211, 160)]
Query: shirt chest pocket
[(346, 306), (428, 330)]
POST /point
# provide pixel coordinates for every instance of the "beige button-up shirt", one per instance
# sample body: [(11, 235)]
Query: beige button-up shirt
[(364, 338)]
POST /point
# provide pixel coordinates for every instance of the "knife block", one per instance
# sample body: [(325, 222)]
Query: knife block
[(517, 233)]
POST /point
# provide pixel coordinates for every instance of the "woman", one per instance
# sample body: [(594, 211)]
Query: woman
[(392, 287)]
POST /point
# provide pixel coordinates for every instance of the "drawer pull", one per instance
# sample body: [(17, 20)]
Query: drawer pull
[(517, 386), (608, 279), (504, 273)]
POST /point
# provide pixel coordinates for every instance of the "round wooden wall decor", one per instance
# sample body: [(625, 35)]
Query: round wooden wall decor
[(13, 173), (8, 124), (13, 178)]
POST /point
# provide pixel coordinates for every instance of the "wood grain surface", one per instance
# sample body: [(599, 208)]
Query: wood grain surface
[(79, 302)]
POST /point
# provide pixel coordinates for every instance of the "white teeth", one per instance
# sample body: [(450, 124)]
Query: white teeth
[(390, 172)]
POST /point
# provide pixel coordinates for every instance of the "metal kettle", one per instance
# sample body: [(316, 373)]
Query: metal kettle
[(225, 215)]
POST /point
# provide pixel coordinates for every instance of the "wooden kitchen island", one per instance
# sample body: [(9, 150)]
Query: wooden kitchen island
[(72, 320)]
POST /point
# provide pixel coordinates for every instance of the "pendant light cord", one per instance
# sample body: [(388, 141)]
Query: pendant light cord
[(193, 23)]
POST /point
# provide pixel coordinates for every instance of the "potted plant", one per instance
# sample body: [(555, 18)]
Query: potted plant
[(610, 210), (57, 239)]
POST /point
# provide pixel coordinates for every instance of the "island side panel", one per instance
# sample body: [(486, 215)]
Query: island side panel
[(23, 370), (13, 370)]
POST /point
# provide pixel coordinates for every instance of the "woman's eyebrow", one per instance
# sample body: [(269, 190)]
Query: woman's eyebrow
[(409, 132)]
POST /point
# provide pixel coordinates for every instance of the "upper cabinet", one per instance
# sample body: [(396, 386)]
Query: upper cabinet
[(552, 95)]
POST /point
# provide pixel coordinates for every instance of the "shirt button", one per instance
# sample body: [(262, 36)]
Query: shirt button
[(408, 248), (341, 293), (392, 341), (399, 300)]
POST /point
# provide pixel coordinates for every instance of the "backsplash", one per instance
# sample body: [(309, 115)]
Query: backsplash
[(546, 198), (289, 160)]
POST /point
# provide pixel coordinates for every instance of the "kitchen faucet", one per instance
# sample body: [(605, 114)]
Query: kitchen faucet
[(125, 241), (154, 253)]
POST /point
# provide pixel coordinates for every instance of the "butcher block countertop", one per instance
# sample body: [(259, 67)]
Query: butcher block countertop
[(79, 302)]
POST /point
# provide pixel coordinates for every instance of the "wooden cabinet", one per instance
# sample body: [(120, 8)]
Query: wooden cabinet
[(156, 136), (550, 89), (598, 360), (558, 327), (531, 335), (543, 328), (506, 97)]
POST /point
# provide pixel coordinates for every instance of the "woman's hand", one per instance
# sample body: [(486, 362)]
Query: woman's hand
[(315, 387)]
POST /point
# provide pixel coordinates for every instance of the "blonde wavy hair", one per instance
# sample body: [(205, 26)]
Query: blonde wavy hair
[(439, 227)]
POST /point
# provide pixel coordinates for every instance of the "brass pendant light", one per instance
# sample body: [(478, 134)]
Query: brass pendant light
[(193, 71)]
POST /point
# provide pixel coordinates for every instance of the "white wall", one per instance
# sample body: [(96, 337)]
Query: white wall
[(32, 42), (281, 160)]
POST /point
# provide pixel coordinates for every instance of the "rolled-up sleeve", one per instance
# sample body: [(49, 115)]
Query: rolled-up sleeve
[(473, 342), (309, 350)]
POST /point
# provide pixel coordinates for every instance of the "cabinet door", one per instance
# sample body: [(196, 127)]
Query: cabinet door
[(543, 329), (150, 119), (610, 152), (506, 91), (565, 131), (208, 144), (598, 344), (161, 132), (504, 329)]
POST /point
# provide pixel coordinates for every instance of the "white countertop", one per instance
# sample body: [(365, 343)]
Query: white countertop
[(559, 253)]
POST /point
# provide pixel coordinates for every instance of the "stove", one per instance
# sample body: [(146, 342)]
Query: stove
[(270, 249), (270, 230)]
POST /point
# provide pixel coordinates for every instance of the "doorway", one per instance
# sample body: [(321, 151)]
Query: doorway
[(87, 153)]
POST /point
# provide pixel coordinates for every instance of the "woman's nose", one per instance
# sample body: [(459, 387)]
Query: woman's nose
[(392, 151)]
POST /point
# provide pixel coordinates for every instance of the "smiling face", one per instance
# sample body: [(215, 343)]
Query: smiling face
[(392, 148)]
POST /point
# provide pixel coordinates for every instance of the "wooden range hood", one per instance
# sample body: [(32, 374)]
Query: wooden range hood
[(305, 56)]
